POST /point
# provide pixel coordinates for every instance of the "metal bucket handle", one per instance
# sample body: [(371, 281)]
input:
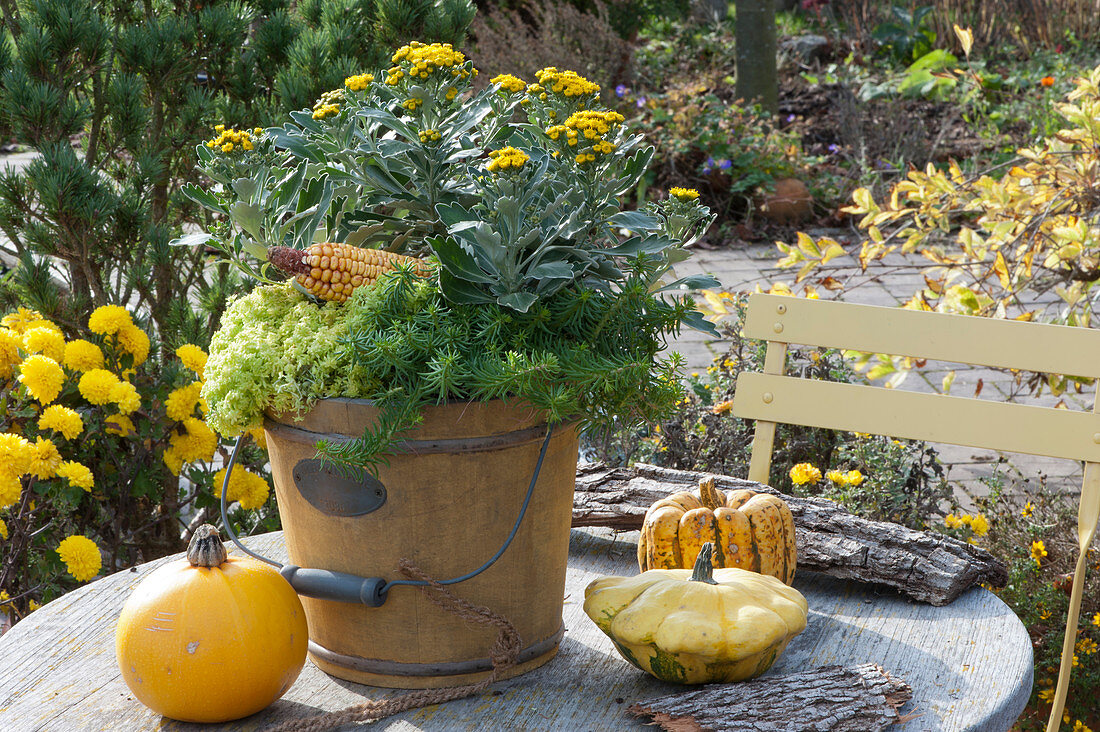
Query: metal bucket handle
[(370, 591)]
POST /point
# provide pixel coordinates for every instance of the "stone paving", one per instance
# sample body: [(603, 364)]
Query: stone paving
[(744, 267)]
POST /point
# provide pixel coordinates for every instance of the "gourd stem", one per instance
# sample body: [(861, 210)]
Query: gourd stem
[(703, 571), (205, 548)]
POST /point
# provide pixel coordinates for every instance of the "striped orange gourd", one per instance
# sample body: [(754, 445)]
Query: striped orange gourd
[(749, 530), (331, 271)]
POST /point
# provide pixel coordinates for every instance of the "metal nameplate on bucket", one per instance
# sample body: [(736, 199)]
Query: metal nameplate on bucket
[(338, 495)]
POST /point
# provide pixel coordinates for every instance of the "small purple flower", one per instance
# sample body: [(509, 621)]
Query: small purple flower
[(621, 91), (725, 164), (709, 165), (640, 103), (834, 149), (790, 118)]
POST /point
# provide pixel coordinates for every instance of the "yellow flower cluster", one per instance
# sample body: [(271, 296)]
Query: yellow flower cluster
[(246, 488), (507, 158), (1038, 551), (684, 194), (46, 340), (192, 357), (181, 403), (359, 82), (230, 139), (805, 473), (1087, 646), (78, 475), (420, 60), (412, 103), (115, 320), (3, 530), (977, 523), (191, 442), (430, 136), (569, 83), (43, 378), (509, 83), (81, 557), (81, 355), (849, 478), (61, 419), (329, 104), (16, 455)]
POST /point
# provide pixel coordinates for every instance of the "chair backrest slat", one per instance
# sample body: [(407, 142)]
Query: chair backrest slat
[(980, 423), (1039, 347)]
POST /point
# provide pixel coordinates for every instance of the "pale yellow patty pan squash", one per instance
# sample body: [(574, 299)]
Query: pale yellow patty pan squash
[(698, 626)]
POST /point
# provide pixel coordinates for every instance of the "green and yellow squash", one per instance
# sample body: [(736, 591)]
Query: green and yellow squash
[(698, 626)]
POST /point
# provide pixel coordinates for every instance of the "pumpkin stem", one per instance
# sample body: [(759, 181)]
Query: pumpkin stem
[(206, 548), (704, 570), (711, 497)]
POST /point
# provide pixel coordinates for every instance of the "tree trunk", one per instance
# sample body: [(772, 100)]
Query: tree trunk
[(757, 76)]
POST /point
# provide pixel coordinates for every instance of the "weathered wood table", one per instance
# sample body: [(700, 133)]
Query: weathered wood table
[(969, 663)]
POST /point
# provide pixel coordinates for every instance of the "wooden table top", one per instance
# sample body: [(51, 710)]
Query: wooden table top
[(969, 663)]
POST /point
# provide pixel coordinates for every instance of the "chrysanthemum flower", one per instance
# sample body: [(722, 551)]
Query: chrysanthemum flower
[(180, 404), (47, 341), (11, 489), (198, 442), (19, 320), (805, 473), (135, 342), (77, 474), (96, 385), (192, 357), (81, 557), (61, 419), (10, 343), (247, 488), (109, 319), (173, 460), (126, 396), (119, 424), (45, 459), (3, 530), (15, 454), (43, 378), (259, 437), (81, 355)]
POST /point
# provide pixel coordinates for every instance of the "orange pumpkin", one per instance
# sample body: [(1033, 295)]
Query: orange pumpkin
[(749, 530), (211, 638)]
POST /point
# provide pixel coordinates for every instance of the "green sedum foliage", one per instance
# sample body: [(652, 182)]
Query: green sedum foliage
[(580, 354)]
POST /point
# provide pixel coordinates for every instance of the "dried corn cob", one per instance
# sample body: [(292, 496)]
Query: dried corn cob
[(332, 271)]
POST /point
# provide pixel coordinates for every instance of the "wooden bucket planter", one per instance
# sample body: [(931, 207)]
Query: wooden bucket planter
[(451, 497)]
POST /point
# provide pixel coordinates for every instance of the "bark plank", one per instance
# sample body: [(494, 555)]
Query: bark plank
[(859, 698), (927, 567)]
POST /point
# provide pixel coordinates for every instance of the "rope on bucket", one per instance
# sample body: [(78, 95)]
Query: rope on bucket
[(503, 653), (367, 590)]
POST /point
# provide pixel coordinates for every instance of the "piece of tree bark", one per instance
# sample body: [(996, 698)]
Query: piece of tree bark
[(837, 698), (928, 567)]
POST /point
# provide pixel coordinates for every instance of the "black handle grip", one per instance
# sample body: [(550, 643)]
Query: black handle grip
[(325, 585)]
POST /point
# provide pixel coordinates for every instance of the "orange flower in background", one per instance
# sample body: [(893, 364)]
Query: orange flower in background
[(1047, 81)]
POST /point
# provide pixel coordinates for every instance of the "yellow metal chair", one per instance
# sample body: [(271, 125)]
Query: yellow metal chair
[(772, 397)]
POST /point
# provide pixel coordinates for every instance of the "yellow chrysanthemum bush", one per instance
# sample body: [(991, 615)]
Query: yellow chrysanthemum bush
[(105, 455)]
